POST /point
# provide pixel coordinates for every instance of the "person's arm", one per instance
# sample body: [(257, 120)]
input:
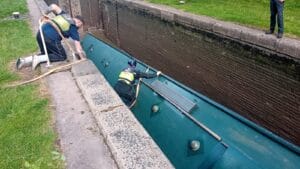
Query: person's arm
[(53, 8), (139, 74), (74, 34), (79, 49)]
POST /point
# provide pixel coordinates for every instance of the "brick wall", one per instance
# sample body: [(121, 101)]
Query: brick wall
[(261, 86)]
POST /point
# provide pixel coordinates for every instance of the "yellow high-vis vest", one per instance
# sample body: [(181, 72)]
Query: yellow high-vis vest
[(62, 22), (126, 76)]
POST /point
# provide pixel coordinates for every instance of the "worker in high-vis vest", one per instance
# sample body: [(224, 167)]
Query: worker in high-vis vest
[(126, 84), (67, 27)]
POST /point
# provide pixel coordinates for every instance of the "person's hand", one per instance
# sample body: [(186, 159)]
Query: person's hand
[(158, 73), (82, 55), (43, 18), (281, 1)]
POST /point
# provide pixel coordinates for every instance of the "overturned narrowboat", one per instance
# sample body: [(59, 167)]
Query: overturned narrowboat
[(192, 130)]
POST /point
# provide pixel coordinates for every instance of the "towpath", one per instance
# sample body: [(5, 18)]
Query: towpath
[(79, 136)]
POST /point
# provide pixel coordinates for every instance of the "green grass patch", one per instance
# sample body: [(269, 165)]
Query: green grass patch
[(10, 6), (16, 40), (255, 13), (27, 139), (25, 132)]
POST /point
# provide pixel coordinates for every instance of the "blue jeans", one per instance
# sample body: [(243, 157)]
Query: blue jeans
[(55, 50), (276, 8)]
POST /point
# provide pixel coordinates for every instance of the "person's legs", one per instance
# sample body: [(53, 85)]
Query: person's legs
[(273, 12), (125, 92), (24, 62), (126, 101), (279, 7), (27, 61), (126, 98), (56, 51), (37, 59)]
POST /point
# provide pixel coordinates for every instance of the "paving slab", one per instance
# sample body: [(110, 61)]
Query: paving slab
[(79, 135), (130, 144)]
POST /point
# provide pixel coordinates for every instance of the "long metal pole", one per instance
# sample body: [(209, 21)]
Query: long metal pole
[(43, 41)]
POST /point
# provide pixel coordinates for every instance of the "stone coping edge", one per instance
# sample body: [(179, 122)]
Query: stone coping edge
[(130, 145), (285, 47), (42, 5)]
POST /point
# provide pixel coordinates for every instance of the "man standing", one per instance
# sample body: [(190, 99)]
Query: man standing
[(61, 25), (276, 8), (126, 87)]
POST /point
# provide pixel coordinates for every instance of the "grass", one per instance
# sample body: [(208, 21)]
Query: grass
[(10, 6), (16, 40), (27, 139), (255, 13)]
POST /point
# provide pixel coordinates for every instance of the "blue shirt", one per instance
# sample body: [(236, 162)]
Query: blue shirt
[(51, 33)]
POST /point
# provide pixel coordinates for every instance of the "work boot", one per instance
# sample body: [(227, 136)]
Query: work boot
[(23, 62), (37, 59), (269, 32), (279, 35)]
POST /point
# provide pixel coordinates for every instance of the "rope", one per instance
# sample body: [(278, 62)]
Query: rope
[(47, 20), (43, 20), (57, 69), (137, 91)]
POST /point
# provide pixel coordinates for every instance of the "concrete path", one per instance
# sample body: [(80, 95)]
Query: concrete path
[(80, 140), (34, 14)]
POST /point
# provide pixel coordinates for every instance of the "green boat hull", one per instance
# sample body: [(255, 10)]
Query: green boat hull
[(192, 130)]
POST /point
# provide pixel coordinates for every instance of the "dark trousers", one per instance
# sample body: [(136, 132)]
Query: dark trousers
[(276, 8), (126, 92), (55, 50)]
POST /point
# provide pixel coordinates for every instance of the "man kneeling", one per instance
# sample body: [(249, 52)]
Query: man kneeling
[(67, 26)]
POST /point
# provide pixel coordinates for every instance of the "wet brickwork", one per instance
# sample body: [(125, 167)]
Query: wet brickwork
[(261, 86), (90, 9), (110, 21)]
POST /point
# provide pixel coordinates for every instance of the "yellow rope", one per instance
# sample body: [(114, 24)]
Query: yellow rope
[(137, 91), (46, 19), (57, 69)]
